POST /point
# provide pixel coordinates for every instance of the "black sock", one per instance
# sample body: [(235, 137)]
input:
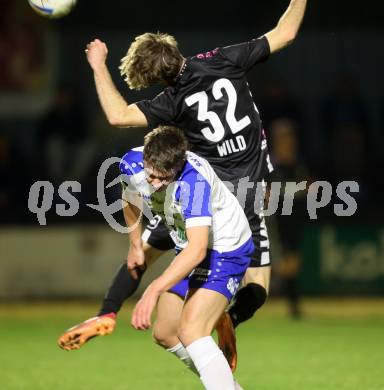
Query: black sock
[(122, 287), (246, 301)]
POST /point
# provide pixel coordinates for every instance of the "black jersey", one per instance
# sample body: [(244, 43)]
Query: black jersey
[(211, 102)]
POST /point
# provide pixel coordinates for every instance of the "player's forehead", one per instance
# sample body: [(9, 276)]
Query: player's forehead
[(152, 171)]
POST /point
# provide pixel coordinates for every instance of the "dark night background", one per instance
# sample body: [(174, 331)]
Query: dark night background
[(321, 101)]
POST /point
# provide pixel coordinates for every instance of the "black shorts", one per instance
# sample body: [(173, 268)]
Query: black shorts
[(259, 230), (157, 235)]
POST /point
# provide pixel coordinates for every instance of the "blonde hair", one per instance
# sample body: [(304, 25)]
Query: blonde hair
[(151, 59)]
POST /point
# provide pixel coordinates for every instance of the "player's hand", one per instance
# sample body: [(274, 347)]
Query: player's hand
[(135, 261), (141, 316), (96, 52)]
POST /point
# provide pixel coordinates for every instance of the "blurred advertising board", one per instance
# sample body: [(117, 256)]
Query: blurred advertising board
[(343, 260)]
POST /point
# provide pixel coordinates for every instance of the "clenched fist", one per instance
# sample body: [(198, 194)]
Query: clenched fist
[(135, 261), (96, 53)]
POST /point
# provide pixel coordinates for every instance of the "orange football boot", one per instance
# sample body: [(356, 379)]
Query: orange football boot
[(78, 335)]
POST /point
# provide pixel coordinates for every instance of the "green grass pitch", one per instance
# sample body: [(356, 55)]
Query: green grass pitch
[(338, 345)]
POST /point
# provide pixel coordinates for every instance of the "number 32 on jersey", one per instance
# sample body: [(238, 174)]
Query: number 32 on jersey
[(216, 134)]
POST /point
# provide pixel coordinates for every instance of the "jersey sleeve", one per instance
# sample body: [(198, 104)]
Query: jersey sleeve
[(195, 200), (246, 55), (130, 165), (158, 111)]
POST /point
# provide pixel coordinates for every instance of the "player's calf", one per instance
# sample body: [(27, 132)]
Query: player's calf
[(227, 340), (252, 296), (246, 302)]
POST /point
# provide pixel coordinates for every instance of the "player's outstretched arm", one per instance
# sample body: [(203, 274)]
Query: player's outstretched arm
[(118, 112), (288, 26), (133, 217), (181, 266), (187, 259)]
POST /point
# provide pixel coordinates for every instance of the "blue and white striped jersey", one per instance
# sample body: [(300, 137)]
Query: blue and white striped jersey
[(197, 198)]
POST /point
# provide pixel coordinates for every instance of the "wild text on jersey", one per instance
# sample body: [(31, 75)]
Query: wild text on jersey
[(232, 145)]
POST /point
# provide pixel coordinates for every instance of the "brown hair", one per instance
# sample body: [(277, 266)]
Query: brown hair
[(165, 148), (151, 59)]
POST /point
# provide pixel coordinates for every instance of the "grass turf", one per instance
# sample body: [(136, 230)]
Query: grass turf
[(338, 345)]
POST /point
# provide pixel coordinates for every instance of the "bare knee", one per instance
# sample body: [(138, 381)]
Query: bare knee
[(164, 337), (188, 332)]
